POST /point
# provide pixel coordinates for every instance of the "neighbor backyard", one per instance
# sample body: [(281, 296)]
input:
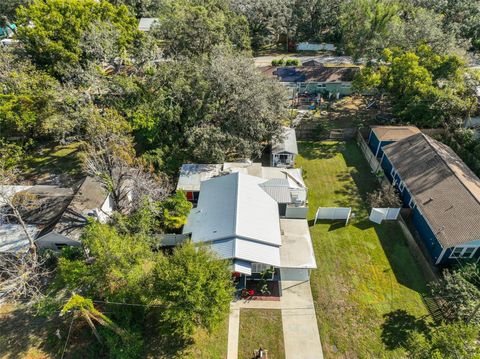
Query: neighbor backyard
[(367, 288)]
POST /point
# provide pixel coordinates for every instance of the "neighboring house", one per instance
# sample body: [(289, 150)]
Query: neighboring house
[(240, 222), (443, 193), (284, 185), (46, 206), (315, 78), (57, 215), (284, 151), (381, 136), (146, 23), (7, 31), (91, 200)]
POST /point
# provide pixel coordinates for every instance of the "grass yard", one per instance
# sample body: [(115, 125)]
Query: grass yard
[(261, 328), (367, 288), (62, 160)]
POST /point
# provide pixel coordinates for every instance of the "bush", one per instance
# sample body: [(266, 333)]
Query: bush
[(279, 62), (292, 62)]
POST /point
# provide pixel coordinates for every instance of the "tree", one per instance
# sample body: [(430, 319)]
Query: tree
[(174, 211), (110, 157), (458, 295), (59, 25), (425, 88), (117, 266), (130, 345), (191, 28), (21, 274), (207, 110), (384, 198), (195, 288), (365, 26), (447, 341), (9, 7), (267, 19)]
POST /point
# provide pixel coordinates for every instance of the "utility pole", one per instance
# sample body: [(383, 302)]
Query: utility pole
[(473, 313)]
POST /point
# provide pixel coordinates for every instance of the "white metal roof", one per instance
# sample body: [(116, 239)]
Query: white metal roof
[(146, 23), (192, 174), (288, 143), (13, 238), (237, 218), (297, 249)]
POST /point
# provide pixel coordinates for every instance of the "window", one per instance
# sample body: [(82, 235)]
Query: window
[(260, 267), (463, 252)]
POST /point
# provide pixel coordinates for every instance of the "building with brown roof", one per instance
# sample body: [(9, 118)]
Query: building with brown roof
[(381, 136), (442, 191), (315, 79)]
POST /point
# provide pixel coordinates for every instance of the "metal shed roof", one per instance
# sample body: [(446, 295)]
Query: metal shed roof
[(192, 174), (288, 143), (444, 188)]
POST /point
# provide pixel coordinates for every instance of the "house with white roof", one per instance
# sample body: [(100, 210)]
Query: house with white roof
[(240, 223), (284, 185)]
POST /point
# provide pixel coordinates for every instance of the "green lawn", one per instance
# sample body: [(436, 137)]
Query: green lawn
[(367, 288), (62, 160), (210, 345), (261, 328)]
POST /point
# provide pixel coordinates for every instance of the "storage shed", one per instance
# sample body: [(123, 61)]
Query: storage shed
[(285, 150)]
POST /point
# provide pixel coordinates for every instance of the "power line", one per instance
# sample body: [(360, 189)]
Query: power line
[(68, 337)]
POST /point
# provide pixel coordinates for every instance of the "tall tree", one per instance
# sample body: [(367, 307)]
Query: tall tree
[(365, 26), (193, 28), (51, 30), (195, 288)]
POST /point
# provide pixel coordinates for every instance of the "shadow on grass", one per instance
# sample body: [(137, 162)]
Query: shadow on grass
[(397, 327), (403, 265), (363, 225), (334, 225), (21, 331), (313, 150)]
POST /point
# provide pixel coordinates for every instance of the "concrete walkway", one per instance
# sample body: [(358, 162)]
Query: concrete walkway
[(300, 330)]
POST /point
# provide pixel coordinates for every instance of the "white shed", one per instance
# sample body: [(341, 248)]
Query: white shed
[(285, 150)]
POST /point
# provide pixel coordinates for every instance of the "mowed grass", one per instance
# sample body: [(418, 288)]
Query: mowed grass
[(261, 328), (367, 288)]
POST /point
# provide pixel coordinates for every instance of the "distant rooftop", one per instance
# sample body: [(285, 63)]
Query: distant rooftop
[(146, 23)]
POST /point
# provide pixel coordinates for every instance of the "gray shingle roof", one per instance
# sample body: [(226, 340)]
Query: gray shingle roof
[(445, 190)]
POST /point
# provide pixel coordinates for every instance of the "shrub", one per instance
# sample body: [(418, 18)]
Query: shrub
[(279, 62), (292, 62)]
